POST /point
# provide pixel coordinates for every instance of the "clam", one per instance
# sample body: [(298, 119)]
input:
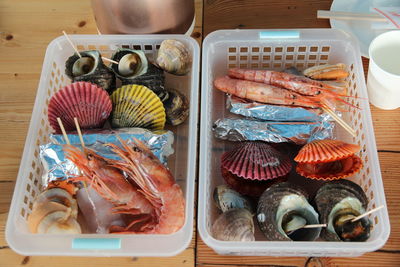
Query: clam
[(328, 160), (327, 72), (338, 202), (283, 210), (90, 68), (234, 225), (134, 68), (174, 57), (227, 199), (176, 107)]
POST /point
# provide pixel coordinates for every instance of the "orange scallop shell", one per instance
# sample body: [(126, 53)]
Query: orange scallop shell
[(325, 151)]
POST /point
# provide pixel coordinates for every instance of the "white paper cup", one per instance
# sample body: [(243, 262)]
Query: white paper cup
[(383, 81)]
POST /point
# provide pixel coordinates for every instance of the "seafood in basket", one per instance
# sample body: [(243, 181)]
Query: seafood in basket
[(328, 160), (88, 66), (338, 203), (226, 198), (283, 211), (174, 58), (253, 166), (234, 225)]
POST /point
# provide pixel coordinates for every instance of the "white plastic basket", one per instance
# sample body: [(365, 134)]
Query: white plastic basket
[(279, 49), (182, 163)]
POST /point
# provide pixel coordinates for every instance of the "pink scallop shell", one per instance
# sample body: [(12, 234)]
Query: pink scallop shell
[(90, 104), (256, 161)]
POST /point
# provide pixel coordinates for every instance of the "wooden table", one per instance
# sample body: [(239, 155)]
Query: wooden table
[(26, 27)]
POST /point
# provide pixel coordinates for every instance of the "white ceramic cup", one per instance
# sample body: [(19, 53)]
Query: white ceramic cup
[(383, 80)]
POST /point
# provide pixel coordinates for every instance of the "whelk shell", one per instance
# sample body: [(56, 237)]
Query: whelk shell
[(234, 225), (131, 63), (338, 202), (283, 210), (174, 57), (328, 160), (227, 199), (327, 72), (176, 107)]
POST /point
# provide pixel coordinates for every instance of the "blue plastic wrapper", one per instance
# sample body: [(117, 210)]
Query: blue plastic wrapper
[(272, 112), (276, 132), (56, 166)]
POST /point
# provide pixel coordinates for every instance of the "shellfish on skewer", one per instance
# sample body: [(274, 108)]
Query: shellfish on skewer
[(174, 57), (234, 225), (338, 203), (328, 160), (283, 211), (90, 68), (227, 199)]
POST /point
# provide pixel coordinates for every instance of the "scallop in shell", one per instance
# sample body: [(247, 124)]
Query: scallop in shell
[(328, 160), (234, 225), (283, 210), (90, 68), (174, 57), (134, 68), (137, 106), (90, 104), (226, 199), (338, 202), (176, 107)]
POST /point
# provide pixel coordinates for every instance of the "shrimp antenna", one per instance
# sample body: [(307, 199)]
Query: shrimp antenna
[(63, 131), (79, 132)]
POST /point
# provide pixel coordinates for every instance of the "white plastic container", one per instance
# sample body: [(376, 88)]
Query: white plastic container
[(279, 49), (182, 163)]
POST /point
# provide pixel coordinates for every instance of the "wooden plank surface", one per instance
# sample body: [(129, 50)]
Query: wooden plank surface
[(26, 28), (275, 14)]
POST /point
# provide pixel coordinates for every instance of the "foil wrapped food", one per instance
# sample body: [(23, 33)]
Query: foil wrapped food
[(276, 132), (57, 167)]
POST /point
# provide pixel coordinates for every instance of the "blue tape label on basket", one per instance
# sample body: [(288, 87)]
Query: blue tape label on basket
[(96, 243), (279, 34)]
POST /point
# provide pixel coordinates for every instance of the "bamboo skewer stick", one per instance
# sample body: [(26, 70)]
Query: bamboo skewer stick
[(339, 120), (314, 225), (341, 15), (367, 213), (63, 131), (79, 132), (71, 43), (109, 60)]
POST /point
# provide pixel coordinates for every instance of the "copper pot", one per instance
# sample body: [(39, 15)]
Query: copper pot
[(143, 16)]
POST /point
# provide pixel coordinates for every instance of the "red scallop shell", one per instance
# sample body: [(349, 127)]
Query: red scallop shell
[(351, 165), (248, 187), (256, 161), (90, 104), (325, 150)]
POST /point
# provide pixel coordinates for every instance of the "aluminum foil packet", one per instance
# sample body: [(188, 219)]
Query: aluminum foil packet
[(267, 112), (276, 132), (57, 167)]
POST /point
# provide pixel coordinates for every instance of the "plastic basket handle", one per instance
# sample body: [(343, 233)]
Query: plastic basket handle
[(279, 34), (96, 243)]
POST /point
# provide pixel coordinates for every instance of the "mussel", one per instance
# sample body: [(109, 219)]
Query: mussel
[(134, 68), (283, 210), (174, 57), (234, 225), (338, 202), (226, 199), (90, 68), (176, 107)]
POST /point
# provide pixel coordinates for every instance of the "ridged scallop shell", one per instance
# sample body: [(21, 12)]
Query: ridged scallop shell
[(234, 225), (90, 68), (174, 57), (328, 160), (90, 104), (338, 202), (253, 188), (176, 107), (327, 72), (256, 161), (226, 199), (137, 106), (282, 210)]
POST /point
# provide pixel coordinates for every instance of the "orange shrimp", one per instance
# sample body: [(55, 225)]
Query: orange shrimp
[(264, 93), (156, 182), (112, 185)]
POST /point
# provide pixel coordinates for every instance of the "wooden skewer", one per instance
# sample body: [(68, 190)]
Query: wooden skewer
[(314, 225), (367, 213), (109, 60), (71, 43), (339, 120), (63, 131), (340, 15), (79, 132)]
